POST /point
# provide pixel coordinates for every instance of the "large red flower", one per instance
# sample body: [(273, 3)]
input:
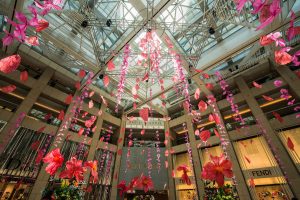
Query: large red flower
[(55, 160), (73, 169), (133, 183), (282, 57), (122, 188), (185, 178), (217, 169), (93, 166), (10, 63), (145, 183)]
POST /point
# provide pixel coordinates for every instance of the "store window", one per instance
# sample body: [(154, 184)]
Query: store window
[(102, 188), (184, 191), (294, 136), (263, 175), (18, 163)]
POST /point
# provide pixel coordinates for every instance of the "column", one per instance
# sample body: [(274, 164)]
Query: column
[(115, 181), (195, 157), (290, 77), (43, 177), (290, 169), (171, 182), (242, 186), (95, 139), (26, 104)]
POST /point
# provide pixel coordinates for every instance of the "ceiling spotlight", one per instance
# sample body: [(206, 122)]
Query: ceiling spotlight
[(211, 30), (101, 76), (189, 81), (84, 24), (108, 23)]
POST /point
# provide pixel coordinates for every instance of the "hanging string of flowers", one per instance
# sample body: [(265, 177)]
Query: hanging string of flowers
[(223, 134), (124, 69), (158, 151), (149, 161), (230, 98), (130, 143)]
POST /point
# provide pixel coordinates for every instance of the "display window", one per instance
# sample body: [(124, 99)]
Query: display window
[(184, 191), (261, 170), (293, 135)]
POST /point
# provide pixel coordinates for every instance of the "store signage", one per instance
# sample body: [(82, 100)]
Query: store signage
[(258, 173)]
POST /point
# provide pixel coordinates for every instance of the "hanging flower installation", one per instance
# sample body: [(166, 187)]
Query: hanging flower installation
[(124, 69), (217, 169), (10, 63)]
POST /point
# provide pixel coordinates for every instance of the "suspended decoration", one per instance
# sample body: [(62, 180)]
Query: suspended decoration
[(158, 151), (230, 98), (124, 70)]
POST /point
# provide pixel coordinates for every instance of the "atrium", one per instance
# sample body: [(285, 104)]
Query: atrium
[(149, 99)]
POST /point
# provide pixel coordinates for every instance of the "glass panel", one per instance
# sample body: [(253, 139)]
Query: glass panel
[(294, 135), (259, 167)]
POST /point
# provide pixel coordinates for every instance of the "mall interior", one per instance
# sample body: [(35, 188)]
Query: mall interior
[(150, 99)]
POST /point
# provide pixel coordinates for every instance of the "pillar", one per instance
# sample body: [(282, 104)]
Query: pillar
[(195, 157), (242, 186), (290, 168), (290, 78), (26, 104), (43, 177), (171, 182), (95, 139), (115, 180)]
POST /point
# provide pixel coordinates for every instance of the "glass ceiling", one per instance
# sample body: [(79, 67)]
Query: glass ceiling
[(87, 33)]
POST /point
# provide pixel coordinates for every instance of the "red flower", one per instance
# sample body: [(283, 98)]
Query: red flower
[(133, 183), (265, 40), (282, 57), (217, 169), (73, 168), (122, 188), (10, 63), (42, 25), (55, 160), (8, 88), (185, 178), (145, 182), (24, 76), (93, 166)]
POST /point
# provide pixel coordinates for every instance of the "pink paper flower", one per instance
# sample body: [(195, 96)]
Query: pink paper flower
[(10, 63), (73, 169), (55, 160), (217, 169)]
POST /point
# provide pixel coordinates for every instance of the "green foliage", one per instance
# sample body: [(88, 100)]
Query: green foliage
[(63, 191), (224, 193)]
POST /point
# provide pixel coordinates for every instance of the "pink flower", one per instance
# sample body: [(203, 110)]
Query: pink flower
[(277, 83), (8, 89), (282, 57), (10, 63), (217, 169), (73, 169), (93, 166), (55, 160)]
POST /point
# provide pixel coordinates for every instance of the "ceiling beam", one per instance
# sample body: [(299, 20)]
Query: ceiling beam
[(130, 34), (234, 43), (195, 76)]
